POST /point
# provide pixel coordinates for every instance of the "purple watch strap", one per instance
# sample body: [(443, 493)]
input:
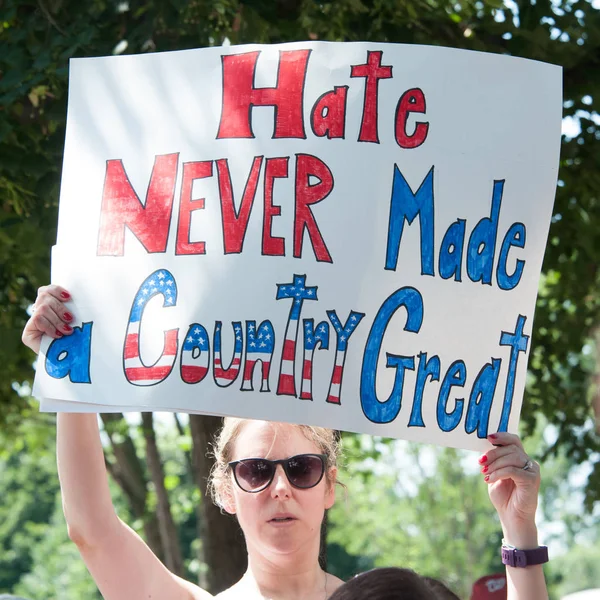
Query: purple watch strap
[(524, 558)]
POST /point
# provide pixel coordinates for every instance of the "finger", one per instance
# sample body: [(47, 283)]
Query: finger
[(53, 309), (46, 326), (513, 459), (46, 316), (56, 291), (503, 438), (517, 474), (491, 455)]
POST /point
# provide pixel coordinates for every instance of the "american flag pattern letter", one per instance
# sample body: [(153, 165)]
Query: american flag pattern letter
[(312, 337), (137, 373), (343, 335), (225, 377), (298, 293), (259, 347), (195, 354)]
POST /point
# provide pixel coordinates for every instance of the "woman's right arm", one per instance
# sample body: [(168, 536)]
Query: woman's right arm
[(513, 485), (122, 565)]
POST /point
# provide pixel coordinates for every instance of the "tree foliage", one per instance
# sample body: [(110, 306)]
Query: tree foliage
[(37, 39), (417, 507)]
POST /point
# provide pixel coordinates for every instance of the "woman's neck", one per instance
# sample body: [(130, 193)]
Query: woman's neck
[(289, 579)]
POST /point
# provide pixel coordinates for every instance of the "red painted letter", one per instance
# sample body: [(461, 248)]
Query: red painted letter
[(412, 101), (275, 167), (240, 95), (191, 172), (236, 222), (373, 71), (328, 116), (121, 207), (308, 166)]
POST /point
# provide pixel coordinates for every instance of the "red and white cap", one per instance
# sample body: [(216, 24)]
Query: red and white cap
[(490, 587)]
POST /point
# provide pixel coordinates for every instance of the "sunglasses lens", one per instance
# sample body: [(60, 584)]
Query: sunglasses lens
[(305, 471), (254, 474)]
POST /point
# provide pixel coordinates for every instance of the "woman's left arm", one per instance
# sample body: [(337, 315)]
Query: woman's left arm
[(513, 484)]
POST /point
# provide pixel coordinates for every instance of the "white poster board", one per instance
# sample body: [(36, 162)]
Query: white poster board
[(348, 235)]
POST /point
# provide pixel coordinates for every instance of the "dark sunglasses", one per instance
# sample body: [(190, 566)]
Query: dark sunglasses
[(303, 471)]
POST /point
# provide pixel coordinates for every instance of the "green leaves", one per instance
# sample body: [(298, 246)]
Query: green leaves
[(37, 39)]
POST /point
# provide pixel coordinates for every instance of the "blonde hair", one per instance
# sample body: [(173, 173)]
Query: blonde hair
[(219, 481)]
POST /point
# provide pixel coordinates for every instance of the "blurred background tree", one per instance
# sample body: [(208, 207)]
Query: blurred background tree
[(162, 477)]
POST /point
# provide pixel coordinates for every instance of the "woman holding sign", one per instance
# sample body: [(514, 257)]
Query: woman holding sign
[(278, 479)]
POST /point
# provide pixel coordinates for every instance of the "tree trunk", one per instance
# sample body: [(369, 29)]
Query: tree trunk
[(129, 475), (224, 546), (166, 525), (202, 575)]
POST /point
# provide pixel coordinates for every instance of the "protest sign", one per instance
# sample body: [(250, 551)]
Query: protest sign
[(348, 235)]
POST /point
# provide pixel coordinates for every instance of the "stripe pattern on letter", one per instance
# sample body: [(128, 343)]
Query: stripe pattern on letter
[(195, 354), (137, 373), (312, 337), (260, 345), (298, 293), (225, 377), (343, 335)]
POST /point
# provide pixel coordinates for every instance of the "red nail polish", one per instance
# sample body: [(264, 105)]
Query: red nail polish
[(482, 459), (485, 469), (65, 295), (486, 478), (68, 316), (493, 436), (58, 333), (67, 327)]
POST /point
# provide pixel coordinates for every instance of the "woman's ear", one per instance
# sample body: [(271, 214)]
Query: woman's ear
[(228, 502), (330, 490)]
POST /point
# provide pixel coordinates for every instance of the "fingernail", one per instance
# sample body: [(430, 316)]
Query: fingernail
[(485, 469), (482, 459), (493, 436), (65, 295), (68, 316), (58, 333), (486, 478), (67, 327)]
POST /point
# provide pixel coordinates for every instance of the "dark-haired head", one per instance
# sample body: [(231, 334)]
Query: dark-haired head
[(385, 584), (442, 592)]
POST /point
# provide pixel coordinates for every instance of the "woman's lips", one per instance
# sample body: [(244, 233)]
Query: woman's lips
[(282, 519)]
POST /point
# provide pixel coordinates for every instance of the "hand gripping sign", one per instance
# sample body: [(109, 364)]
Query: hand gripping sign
[(348, 235)]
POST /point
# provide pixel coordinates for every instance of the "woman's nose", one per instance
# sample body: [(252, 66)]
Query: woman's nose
[(280, 486)]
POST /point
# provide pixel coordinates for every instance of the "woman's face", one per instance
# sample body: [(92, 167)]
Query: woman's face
[(281, 519)]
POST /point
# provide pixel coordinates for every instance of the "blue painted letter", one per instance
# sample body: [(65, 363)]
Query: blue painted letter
[(515, 236), (456, 375), (482, 243), (518, 343), (481, 398), (406, 206), (70, 355), (387, 411)]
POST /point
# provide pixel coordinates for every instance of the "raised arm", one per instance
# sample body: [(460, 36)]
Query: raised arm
[(122, 565), (514, 483)]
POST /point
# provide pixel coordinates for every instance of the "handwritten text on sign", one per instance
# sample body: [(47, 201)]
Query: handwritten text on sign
[(340, 234)]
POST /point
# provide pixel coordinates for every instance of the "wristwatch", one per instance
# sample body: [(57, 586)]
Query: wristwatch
[(513, 557)]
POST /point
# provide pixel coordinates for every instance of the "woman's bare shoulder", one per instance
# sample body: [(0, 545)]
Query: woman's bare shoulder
[(232, 593), (333, 583), (195, 592), (237, 591)]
